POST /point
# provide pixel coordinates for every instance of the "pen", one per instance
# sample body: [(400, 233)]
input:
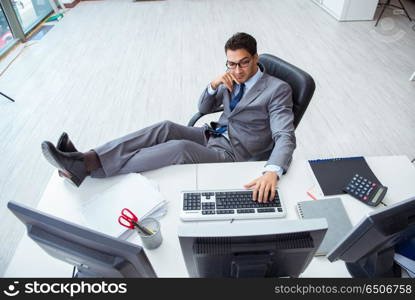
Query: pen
[(143, 229), (311, 196)]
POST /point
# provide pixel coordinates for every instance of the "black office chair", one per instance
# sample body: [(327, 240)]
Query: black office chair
[(302, 85)]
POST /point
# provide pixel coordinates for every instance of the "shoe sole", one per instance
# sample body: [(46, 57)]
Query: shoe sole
[(50, 157)]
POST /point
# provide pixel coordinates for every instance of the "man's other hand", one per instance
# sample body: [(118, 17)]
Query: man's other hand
[(263, 187)]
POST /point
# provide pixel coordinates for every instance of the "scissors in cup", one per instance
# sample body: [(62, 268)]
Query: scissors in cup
[(129, 220)]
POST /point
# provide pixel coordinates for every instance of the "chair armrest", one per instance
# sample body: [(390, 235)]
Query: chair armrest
[(198, 115)]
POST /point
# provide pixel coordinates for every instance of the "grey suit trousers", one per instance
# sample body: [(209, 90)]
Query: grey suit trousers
[(162, 144)]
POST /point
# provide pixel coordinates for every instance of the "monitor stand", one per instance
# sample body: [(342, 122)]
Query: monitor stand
[(79, 274), (376, 265), (250, 265)]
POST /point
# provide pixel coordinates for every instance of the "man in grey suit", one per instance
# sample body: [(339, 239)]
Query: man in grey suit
[(257, 122)]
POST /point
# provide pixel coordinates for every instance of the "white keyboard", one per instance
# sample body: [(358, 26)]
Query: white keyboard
[(226, 205)]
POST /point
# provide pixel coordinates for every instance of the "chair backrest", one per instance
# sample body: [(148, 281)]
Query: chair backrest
[(302, 84)]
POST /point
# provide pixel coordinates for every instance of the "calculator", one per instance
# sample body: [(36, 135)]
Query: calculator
[(370, 193)]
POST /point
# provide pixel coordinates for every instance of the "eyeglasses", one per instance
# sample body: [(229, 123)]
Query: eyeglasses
[(242, 64)]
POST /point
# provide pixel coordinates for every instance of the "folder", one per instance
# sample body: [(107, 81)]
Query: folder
[(338, 221), (333, 174)]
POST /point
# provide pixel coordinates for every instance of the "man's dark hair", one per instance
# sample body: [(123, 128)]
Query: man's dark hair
[(241, 40)]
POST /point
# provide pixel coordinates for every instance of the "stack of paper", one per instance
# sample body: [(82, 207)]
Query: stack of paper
[(106, 198)]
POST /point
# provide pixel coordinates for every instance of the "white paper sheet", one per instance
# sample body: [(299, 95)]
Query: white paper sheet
[(101, 209)]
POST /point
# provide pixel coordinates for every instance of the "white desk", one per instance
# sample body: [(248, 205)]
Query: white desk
[(167, 263), (396, 172)]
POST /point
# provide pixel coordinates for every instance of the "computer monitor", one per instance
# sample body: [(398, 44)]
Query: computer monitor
[(93, 254), (369, 249), (250, 248)]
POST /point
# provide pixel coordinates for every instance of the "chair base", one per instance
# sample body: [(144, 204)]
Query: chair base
[(7, 97), (388, 4)]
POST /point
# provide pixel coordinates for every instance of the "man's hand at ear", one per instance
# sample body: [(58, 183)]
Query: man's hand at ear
[(264, 186)]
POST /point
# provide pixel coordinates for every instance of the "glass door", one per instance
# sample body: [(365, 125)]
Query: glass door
[(6, 35), (31, 12)]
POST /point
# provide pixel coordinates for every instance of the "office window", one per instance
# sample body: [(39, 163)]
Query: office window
[(31, 12), (5, 33)]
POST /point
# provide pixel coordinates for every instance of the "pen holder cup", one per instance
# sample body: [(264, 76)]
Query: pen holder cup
[(154, 240)]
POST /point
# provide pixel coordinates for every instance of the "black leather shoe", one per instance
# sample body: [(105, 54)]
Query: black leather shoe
[(70, 164), (65, 144)]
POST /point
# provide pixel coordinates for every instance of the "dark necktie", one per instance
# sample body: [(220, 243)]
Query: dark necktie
[(234, 101), (237, 97)]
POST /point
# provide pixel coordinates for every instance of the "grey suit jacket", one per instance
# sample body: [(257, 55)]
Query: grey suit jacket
[(261, 125)]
